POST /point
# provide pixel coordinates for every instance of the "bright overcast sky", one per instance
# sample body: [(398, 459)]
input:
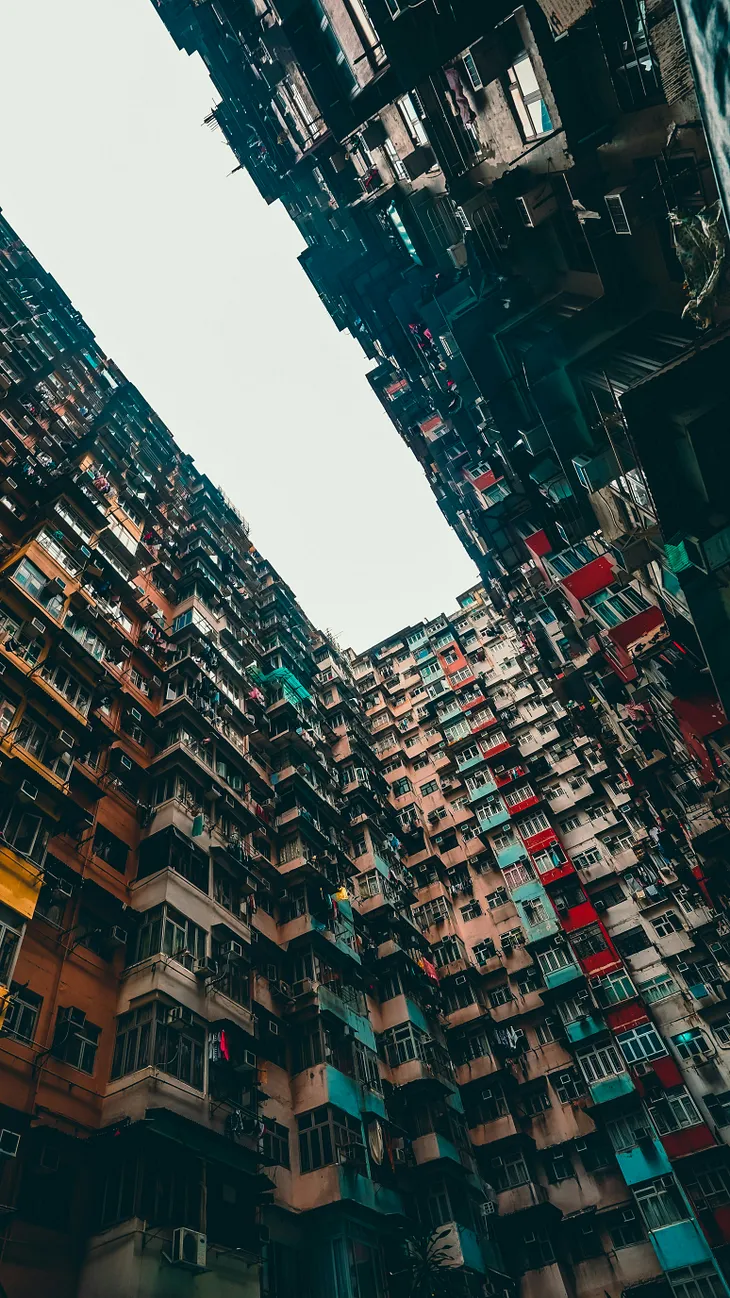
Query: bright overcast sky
[(191, 283)]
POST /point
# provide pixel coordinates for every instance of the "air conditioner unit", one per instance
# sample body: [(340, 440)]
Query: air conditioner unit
[(58, 581), (246, 1062), (399, 1156), (624, 209), (205, 967), (274, 1029), (63, 888), (126, 762), (561, 905), (599, 904), (178, 1017), (189, 1249), (27, 792), (628, 1215), (457, 254), (135, 714), (125, 651), (65, 739), (497, 1162), (537, 204), (118, 935), (232, 950), (461, 980), (9, 1142), (37, 625), (304, 987)]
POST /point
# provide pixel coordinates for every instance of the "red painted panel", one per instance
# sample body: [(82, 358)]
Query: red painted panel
[(484, 480), (482, 724), (640, 631), (589, 580), (722, 1220), (538, 842), (560, 872), (627, 1016), (679, 1143), (492, 750), (532, 801), (603, 962), (667, 1072), (538, 544), (579, 916)]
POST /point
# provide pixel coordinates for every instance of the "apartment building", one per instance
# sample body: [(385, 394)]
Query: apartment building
[(202, 1085)]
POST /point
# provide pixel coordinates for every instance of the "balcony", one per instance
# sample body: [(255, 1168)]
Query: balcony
[(581, 570), (492, 815)]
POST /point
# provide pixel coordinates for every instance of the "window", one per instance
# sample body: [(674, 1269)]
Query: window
[(595, 1153), (701, 1281), (154, 1034), (692, 1045), (471, 911), (631, 941), (710, 1189), (500, 996), (41, 587), (324, 1134), (660, 1205), (639, 1043), (401, 787), (674, 1111), (110, 848), (497, 898), (430, 787), (21, 1019), (75, 1044), (11, 932), (538, 1249), (275, 1142), (624, 1227), (534, 912), (545, 1032), (74, 691), (533, 1102), (567, 1084), (166, 931), (554, 959), (484, 951), (26, 833), (667, 923), (627, 1131), (597, 1064), (419, 763), (658, 988), (718, 1107), (582, 860), (513, 1172), (532, 825), (559, 1166), (432, 912), (570, 823), (615, 988)]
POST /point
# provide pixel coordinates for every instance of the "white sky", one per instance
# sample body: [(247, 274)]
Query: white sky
[(191, 283)]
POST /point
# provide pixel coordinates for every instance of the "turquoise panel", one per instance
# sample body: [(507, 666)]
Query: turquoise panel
[(509, 855), (455, 1102), (417, 1016), (472, 1253), (349, 1095), (584, 1028), (360, 1026), (363, 1191), (682, 1244), (561, 976), (446, 1149), (528, 892), (610, 1088), (473, 761), (493, 821), (483, 791), (643, 1162)]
